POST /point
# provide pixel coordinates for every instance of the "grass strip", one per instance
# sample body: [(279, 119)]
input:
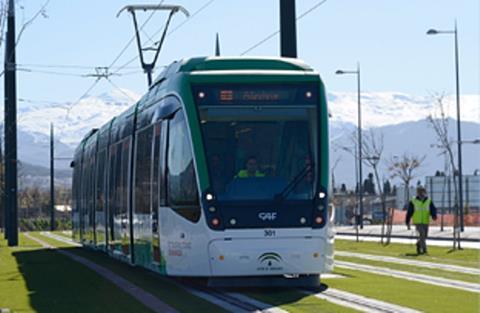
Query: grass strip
[(414, 269), (465, 257), (424, 297), (33, 279), (160, 287), (297, 302)]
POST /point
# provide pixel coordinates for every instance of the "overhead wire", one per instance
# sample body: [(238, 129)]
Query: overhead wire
[(70, 106), (119, 89), (310, 10), (111, 66), (68, 66), (26, 70)]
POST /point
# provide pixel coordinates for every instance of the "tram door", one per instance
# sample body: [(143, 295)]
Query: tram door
[(157, 191)]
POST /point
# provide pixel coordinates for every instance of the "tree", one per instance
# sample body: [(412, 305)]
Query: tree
[(24, 23), (404, 168), (368, 185), (439, 123), (387, 188)]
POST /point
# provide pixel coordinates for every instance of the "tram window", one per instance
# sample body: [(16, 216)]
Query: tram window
[(112, 177), (143, 164), (100, 185), (182, 186), (122, 187), (156, 167), (255, 154)]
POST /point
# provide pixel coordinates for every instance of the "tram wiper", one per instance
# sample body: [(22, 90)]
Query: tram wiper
[(293, 183)]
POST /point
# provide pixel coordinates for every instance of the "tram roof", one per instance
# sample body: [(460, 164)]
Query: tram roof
[(206, 64), (243, 63)]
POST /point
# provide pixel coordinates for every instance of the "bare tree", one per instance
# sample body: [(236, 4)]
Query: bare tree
[(373, 147), (41, 12), (439, 122), (404, 168)]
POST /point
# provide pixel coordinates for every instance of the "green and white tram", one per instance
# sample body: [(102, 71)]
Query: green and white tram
[(219, 171)]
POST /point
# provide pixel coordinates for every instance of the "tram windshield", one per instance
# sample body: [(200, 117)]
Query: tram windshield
[(259, 152)]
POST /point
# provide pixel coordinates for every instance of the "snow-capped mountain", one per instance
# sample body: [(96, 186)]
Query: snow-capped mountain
[(401, 118), (388, 108)]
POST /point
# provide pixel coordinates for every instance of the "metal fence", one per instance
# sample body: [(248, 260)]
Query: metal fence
[(441, 190)]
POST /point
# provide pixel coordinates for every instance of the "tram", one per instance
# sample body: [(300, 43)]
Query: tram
[(219, 171)]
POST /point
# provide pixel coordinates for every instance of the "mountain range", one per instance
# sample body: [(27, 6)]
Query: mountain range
[(399, 118)]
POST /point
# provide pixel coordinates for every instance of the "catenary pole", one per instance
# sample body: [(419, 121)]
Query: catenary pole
[(360, 178), (459, 134), (52, 180), (11, 128), (288, 29)]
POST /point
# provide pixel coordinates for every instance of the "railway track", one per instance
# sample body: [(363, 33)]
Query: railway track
[(238, 302)]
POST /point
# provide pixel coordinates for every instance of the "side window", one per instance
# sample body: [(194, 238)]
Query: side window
[(156, 184), (182, 192), (100, 184), (143, 163)]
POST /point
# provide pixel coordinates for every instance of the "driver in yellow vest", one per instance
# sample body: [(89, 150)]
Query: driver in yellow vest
[(420, 209), (251, 169)]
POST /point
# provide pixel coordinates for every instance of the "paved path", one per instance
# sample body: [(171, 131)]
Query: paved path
[(360, 303), (438, 243), (441, 266), (427, 279), (144, 297), (471, 233)]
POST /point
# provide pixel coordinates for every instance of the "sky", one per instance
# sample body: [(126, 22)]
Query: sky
[(387, 38)]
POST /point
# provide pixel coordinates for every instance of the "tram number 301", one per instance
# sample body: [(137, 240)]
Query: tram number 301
[(269, 233)]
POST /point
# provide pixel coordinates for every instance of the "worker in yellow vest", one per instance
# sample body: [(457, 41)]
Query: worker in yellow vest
[(251, 169), (420, 209)]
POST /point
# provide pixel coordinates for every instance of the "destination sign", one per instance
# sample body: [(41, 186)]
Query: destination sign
[(255, 94)]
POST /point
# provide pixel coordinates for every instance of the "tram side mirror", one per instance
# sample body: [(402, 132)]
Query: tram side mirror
[(72, 164)]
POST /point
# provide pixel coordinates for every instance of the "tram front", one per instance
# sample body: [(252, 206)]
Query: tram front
[(267, 157)]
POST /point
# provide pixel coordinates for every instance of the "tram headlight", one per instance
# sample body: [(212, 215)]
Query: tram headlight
[(319, 220), (209, 197), (212, 209), (215, 221), (322, 195)]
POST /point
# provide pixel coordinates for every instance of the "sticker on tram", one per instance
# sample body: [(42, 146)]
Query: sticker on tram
[(270, 261)]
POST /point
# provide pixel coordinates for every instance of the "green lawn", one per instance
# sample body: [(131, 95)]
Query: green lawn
[(289, 300), (175, 296), (466, 257), (416, 295), (33, 279), (414, 269), (407, 293)]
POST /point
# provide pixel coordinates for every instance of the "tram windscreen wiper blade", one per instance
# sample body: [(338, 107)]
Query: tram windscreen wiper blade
[(293, 183)]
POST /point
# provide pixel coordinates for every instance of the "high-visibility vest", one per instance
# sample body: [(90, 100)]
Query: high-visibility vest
[(244, 174), (421, 215)]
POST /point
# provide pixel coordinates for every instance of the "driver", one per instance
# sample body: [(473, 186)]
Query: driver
[(251, 169)]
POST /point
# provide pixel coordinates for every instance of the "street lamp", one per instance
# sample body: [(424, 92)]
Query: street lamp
[(359, 130), (459, 134)]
